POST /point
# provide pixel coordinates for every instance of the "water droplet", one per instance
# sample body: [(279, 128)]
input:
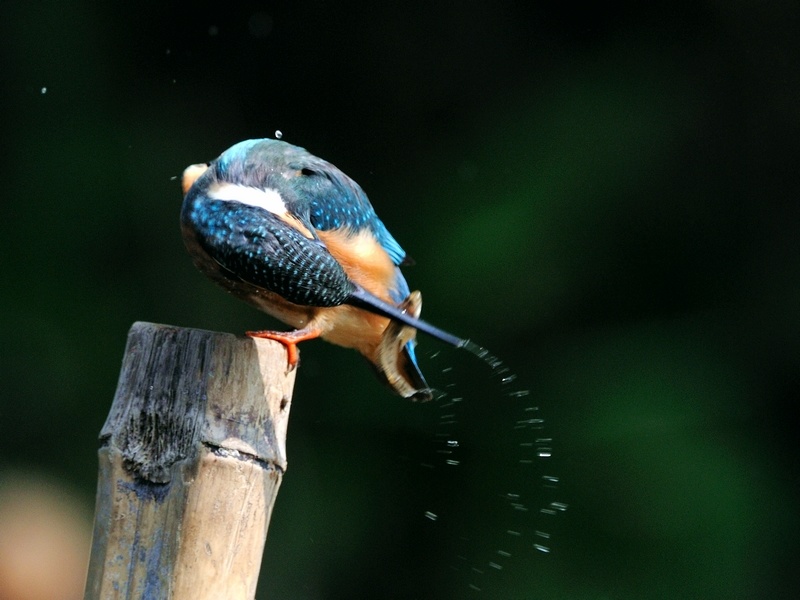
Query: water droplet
[(559, 506), (504, 553), (494, 565), (530, 421), (541, 548), (474, 587), (44, 90), (453, 463), (278, 134), (543, 534), (508, 379), (519, 394), (452, 443), (430, 515)]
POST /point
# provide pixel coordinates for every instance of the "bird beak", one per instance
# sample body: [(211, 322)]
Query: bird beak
[(190, 175), (395, 360)]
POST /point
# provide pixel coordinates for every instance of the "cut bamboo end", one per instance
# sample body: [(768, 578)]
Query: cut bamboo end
[(192, 456)]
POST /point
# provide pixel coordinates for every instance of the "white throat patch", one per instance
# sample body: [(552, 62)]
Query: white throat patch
[(268, 199)]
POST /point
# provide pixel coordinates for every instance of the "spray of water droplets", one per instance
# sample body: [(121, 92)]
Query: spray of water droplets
[(492, 435)]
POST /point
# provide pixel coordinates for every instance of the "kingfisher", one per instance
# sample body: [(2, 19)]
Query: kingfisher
[(295, 237)]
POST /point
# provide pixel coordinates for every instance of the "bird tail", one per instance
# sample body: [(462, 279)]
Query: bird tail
[(361, 298)]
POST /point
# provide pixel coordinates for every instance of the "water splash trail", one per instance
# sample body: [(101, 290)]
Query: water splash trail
[(512, 442)]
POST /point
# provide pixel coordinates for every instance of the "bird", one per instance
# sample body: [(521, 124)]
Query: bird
[(294, 236)]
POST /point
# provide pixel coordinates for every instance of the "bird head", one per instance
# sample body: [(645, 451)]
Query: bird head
[(395, 360)]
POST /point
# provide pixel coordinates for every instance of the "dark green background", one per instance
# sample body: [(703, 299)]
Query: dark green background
[(606, 197)]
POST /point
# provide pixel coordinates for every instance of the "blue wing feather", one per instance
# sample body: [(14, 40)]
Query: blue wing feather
[(346, 205), (325, 199)]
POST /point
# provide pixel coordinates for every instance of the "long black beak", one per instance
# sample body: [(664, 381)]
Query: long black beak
[(361, 298)]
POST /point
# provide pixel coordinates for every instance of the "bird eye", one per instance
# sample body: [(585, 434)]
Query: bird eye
[(307, 171)]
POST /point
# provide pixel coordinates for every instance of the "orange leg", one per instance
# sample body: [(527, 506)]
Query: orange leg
[(290, 339)]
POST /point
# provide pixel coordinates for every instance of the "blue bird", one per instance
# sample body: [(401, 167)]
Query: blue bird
[(297, 238)]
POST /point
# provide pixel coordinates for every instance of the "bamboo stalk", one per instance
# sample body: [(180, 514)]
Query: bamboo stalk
[(191, 458)]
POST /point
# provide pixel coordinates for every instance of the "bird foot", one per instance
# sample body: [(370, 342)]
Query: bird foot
[(289, 339)]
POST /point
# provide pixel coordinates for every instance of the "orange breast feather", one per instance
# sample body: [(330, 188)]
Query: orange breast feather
[(367, 264), (363, 258)]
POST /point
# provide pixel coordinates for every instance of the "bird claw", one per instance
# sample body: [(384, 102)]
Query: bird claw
[(289, 339)]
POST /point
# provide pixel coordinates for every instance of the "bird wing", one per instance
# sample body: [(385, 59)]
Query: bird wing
[(339, 212), (264, 250), (334, 201)]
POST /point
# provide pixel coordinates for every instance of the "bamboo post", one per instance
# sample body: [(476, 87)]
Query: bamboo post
[(191, 458)]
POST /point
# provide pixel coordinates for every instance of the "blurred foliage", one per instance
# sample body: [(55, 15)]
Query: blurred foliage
[(604, 196)]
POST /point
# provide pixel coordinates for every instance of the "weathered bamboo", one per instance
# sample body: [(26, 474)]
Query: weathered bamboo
[(192, 456)]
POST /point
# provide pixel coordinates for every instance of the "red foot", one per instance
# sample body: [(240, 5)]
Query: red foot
[(290, 339)]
